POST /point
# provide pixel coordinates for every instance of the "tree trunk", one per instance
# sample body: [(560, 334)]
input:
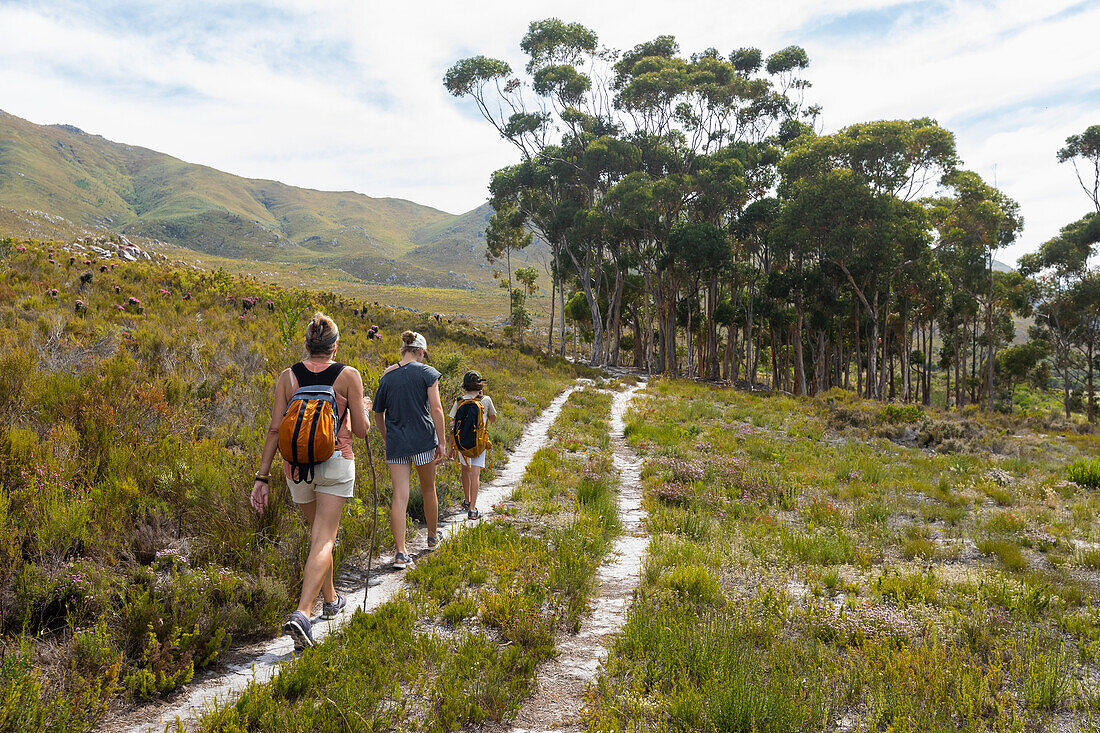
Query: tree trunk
[(648, 318), (859, 361), (905, 348), (1089, 407), (712, 328), (775, 364), (561, 302), (751, 355), (691, 302), (959, 366), (550, 330), (799, 364), (1065, 374), (728, 368), (508, 259), (989, 328), (872, 353)]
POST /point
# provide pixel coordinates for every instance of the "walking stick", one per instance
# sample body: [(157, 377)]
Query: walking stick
[(373, 520)]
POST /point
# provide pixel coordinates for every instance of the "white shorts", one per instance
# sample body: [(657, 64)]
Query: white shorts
[(336, 476), (475, 462)]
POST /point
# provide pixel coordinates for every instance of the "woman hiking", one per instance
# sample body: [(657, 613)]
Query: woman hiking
[(409, 415), (322, 495)]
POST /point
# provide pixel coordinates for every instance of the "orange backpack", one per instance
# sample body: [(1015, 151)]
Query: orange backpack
[(307, 433)]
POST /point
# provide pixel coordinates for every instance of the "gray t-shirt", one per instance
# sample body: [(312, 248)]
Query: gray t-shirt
[(403, 396)]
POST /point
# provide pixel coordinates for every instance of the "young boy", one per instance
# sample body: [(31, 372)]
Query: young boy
[(473, 386)]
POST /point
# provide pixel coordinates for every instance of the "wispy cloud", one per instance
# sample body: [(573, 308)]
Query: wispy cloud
[(342, 94)]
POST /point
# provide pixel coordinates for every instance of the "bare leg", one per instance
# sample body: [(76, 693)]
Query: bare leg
[(328, 590), (400, 474), (465, 483), (326, 522), (426, 474), (475, 484)]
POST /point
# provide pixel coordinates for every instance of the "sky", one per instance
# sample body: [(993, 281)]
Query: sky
[(348, 94)]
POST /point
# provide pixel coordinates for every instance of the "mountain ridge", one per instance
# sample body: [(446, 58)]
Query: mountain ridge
[(93, 181)]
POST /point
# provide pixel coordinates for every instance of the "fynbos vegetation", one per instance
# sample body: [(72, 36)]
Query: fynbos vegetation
[(808, 577), (134, 400)]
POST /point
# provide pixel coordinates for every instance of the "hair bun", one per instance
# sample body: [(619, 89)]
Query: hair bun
[(321, 334), (408, 337)]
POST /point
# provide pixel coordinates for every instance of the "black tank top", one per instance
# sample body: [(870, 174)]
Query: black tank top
[(326, 377)]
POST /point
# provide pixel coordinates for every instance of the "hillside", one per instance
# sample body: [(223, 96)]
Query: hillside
[(91, 181), (459, 244)]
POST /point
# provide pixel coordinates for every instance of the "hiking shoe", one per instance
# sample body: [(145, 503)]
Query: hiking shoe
[(331, 610), (300, 629), (401, 561), (465, 505), (432, 542), (473, 514)]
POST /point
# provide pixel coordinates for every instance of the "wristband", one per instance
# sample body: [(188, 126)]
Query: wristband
[(266, 479)]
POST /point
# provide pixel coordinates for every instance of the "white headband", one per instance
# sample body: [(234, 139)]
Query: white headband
[(419, 342)]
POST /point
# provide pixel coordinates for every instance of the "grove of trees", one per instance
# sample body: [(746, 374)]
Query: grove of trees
[(702, 225)]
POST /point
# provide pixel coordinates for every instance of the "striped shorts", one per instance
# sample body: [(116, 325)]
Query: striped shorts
[(420, 459)]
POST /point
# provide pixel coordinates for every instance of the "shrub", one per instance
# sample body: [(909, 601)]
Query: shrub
[(694, 584), (1006, 551), (902, 413), (459, 609), (918, 587), (1085, 472)]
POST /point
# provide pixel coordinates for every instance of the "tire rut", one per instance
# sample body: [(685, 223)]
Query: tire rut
[(562, 682)]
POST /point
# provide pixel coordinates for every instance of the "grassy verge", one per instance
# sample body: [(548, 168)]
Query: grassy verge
[(462, 644), (134, 398), (807, 577)]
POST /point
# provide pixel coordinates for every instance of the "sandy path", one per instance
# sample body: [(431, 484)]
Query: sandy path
[(562, 682), (260, 662)]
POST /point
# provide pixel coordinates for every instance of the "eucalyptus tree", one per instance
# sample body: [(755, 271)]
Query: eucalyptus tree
[(755, 229), (1083, 150), (697, 251), (583, 119), (1086, 298), (973, 223), (630, 204), (1065, 306), (704, 117), (720, 193), (526, 114), (596, 238), (505, 234), (857, 188)]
